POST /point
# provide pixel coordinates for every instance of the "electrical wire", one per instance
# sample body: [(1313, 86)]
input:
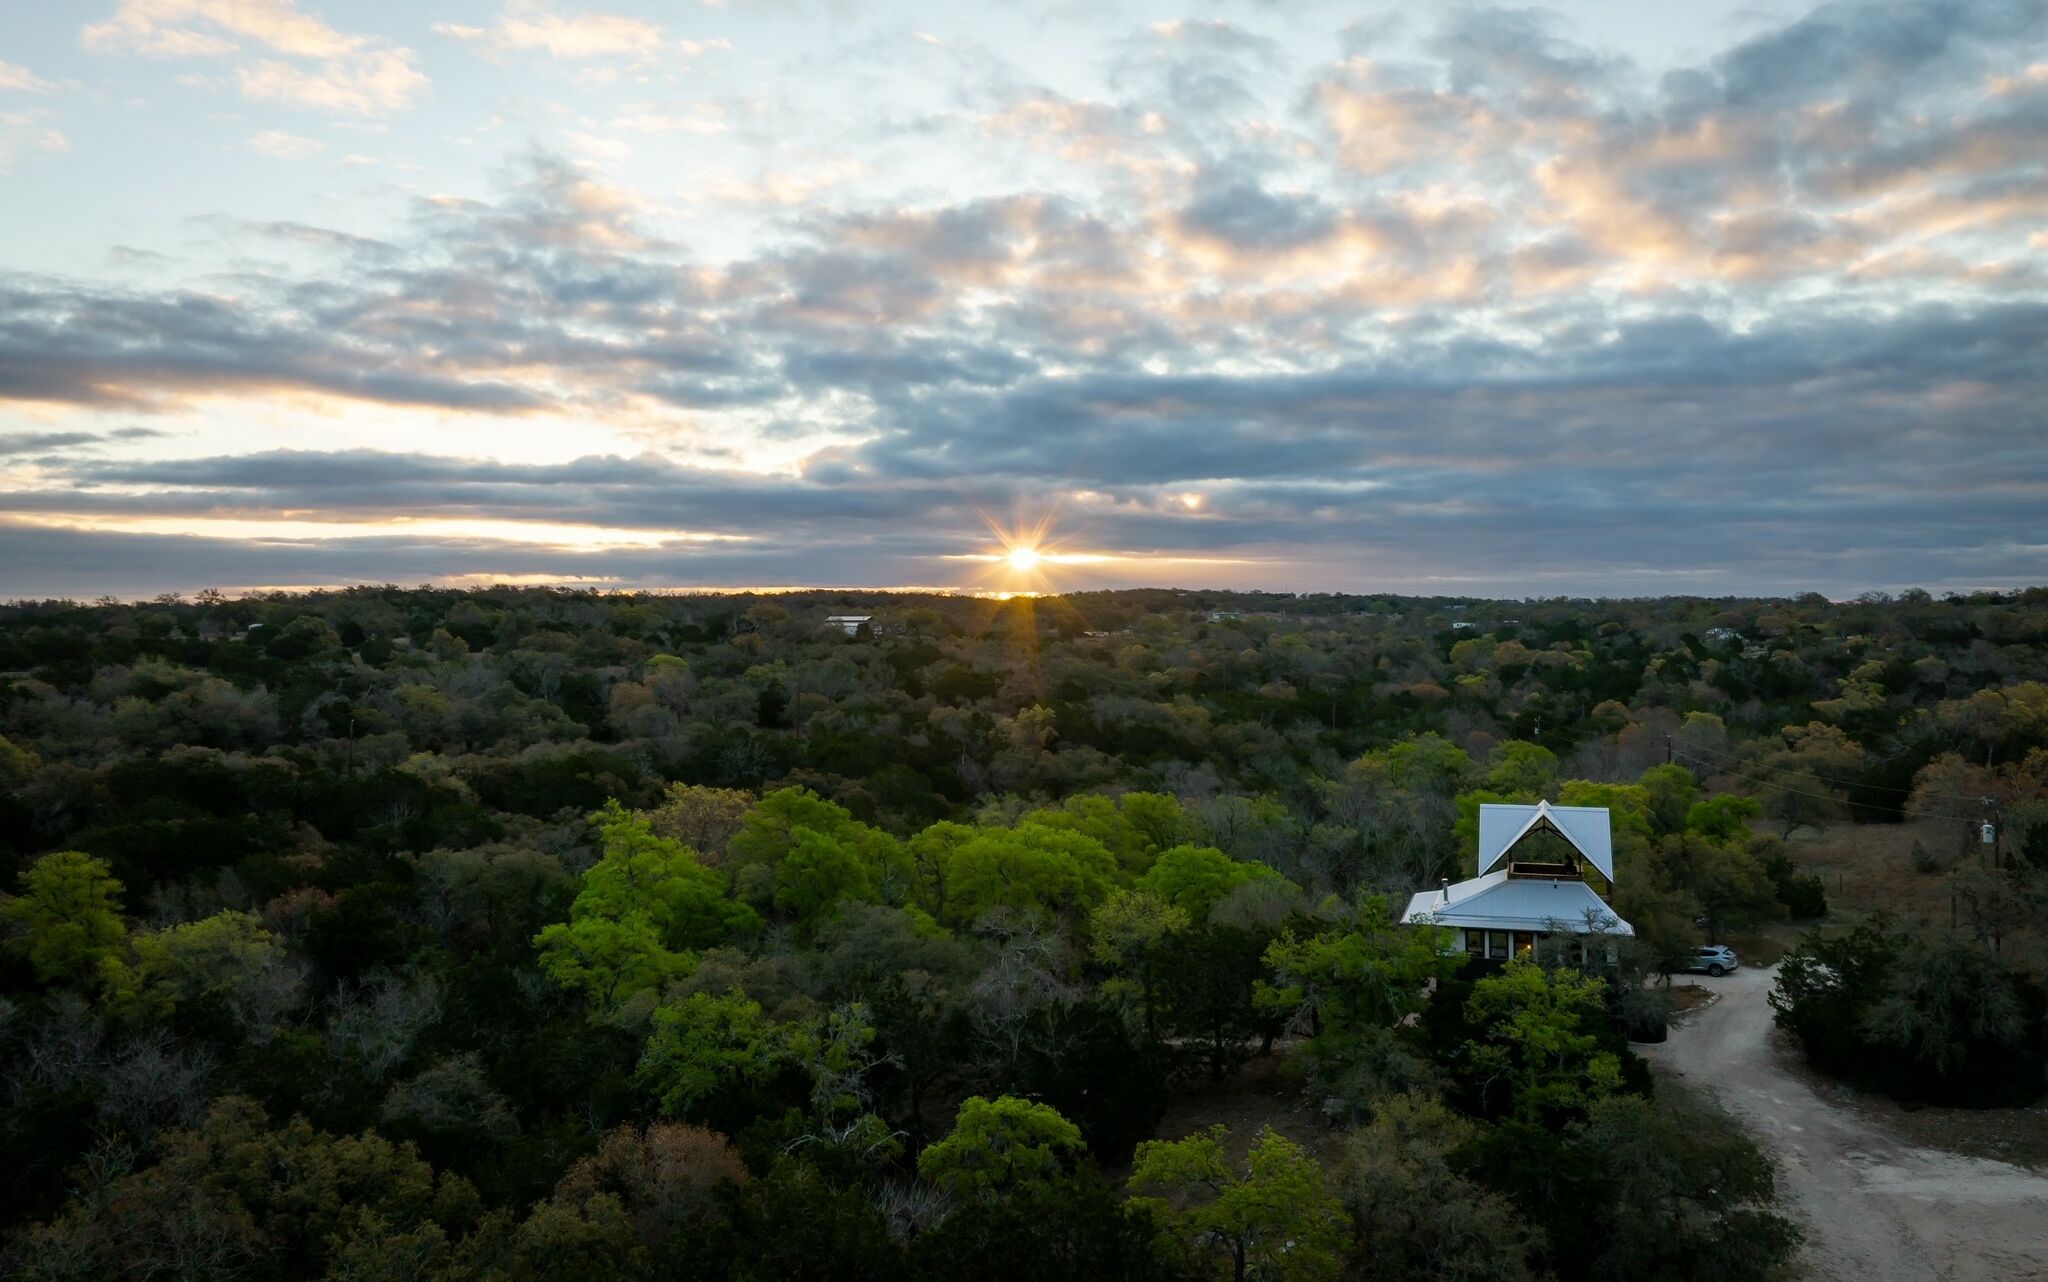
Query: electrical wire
[(1845, 783), (1818, 796)]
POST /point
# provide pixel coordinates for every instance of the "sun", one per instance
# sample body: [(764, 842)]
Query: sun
[(1023, 559)]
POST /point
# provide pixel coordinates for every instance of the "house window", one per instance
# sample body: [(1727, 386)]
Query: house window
[(1475, 943), (1525, 942), (1497, 945)]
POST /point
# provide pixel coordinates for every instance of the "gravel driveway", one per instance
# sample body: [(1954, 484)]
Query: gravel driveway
[(1874, 1209)]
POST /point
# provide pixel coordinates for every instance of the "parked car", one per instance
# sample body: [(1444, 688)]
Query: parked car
[(1712, 959)]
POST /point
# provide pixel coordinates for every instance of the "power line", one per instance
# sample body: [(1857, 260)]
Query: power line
[(1818, 796), (1847, 783)]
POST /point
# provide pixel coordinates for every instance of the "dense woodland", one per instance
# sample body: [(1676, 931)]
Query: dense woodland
[(415, 934)]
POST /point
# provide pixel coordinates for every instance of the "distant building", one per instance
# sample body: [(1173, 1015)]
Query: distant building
[(850, 624), (1224, 616), (1543, 870), (1721, 635)]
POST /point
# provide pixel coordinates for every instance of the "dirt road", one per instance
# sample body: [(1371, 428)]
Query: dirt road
[(1874, 1209)]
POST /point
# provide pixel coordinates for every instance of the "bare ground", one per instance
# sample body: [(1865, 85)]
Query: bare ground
[(1267, 1091), (1876, 1208)]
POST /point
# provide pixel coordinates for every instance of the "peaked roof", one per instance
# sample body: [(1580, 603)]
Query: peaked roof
[(1585, 827), (1497, 901)]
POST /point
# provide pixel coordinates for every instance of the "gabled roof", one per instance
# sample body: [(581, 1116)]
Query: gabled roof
[(1497, 901), (1585, 827)]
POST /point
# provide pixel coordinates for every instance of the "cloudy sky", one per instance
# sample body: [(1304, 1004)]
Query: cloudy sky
[(1608, 297)]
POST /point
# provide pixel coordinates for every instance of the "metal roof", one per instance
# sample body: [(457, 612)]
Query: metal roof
[(1585, 827), (1497, 901)]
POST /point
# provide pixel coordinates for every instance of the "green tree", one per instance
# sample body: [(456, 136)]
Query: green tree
[(609, 960), (1673, 791), (932, 855), (703, 1046), (1364, 972), (1416, 1217), (1125, 934), (1208, 988), (70, 914), (1629, 806), (769, 830), (1031, 868), (1721, 818), (1733, 889), (1275, 1219), (1692, 1196), (999, 1146), (1192, 878), (641, 872), (236, 1198), (816, 876), (1539, 1051), (1072, 1229), (1426, 763), (229, 958), (1516, 766), (640, 913)]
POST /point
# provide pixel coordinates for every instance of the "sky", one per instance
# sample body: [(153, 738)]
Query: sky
[(1595, 299)]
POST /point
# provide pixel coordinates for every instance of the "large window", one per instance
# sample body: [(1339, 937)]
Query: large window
[(1497, 945), (1475, 943)]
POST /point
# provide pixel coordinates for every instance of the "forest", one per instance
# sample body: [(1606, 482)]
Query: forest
[(525, 933)]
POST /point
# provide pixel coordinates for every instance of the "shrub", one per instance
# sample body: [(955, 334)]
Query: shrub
[(1920, 1015)]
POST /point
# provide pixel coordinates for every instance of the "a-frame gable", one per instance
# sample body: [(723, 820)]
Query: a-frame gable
[(1585, 828)]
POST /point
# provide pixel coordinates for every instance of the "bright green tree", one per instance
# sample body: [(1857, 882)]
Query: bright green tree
[(1539, 1047), (817, 875), (932, 855), (1275, 1219), (641, 872), (1517, 766), (769, 831), (1722, 818), (1193, 878), (1125, 933), (705, 1044), (1030, 867), (1428, 762), (609, 960), (1629, 805), (640, 914), (1000, 1146), (1366, 971), (1672, 790), (70, 914)]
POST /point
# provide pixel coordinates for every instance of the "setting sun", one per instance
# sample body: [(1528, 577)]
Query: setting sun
[(1023, 559)]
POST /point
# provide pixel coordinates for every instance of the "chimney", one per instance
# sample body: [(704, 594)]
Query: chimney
[(1445, 889)]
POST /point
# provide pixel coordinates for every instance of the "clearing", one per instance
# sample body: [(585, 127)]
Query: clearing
[(1875, 1208)]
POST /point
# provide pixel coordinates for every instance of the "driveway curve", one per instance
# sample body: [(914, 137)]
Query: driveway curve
[(1874, 1209)]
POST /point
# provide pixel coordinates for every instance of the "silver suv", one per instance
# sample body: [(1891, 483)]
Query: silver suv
[(1712, 959)]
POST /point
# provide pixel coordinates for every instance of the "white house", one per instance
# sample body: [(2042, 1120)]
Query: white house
[(850, 624), (1543, 870)]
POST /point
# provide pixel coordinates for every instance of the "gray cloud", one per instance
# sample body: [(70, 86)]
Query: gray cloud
[(1511, 312), (1871, 49)]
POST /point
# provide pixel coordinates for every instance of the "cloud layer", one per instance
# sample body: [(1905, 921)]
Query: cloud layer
[(1492, 310)]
